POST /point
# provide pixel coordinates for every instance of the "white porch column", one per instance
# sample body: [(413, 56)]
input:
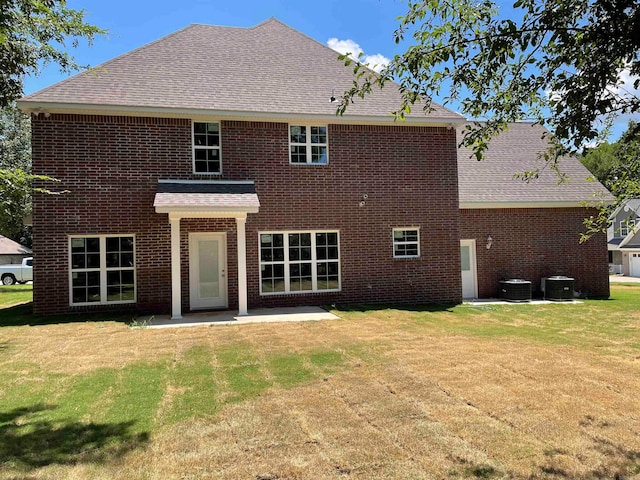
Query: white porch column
[(242, 265), (176, 296)]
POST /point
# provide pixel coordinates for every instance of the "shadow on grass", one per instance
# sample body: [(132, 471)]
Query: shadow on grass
[(21, 315), (27, 442), (621, 462), (427, 307)]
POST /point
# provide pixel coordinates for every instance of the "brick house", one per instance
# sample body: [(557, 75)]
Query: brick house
[(223, 179)]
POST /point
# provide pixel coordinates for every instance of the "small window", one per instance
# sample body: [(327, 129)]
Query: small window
[(206, 148), (308, 145), (406, 242), (102, 269), (626, 227)]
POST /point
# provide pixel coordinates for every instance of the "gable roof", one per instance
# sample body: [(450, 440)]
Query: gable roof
[(629, 206), (9, 247), (490, 183), (266, 69)]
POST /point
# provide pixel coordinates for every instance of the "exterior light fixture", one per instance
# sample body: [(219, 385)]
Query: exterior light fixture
[(489, 242)]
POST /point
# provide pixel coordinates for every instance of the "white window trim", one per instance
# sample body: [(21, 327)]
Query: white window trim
[(627, 226), (194, 148), (308, 144), (394, 242), (314, 261), (103, 270)]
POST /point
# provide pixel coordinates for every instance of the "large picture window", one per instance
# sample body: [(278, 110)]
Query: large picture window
[(102, 269), (293, 262), (308, 145), (206, 148)]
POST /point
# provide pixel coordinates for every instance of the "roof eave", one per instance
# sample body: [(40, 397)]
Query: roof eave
[(528, 204), (40, 107), (202, 211)]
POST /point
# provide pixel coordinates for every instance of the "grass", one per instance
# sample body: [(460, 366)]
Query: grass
[(509, 391), (15, 295)]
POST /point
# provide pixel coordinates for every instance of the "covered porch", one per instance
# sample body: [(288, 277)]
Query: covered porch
[(196, 199)]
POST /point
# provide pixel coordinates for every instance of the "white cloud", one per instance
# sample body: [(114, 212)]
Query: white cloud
[(376, 62), (624, 91), (625, 88), (345, 46)]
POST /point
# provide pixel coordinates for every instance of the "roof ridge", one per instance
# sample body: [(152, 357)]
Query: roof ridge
[(326, 47)]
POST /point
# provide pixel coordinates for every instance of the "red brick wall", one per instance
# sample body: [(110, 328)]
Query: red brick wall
[(111, 166), (535, 243)]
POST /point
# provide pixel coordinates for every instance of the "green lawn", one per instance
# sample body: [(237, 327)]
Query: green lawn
[(509, 391), (15, 294)]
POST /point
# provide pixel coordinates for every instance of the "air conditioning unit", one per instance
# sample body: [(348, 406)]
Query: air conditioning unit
[(515, 290), (558, 288)]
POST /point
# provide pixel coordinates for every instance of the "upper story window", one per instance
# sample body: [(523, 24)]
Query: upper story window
[(406, 243), (308, 145), (206, 148), (626, 227)]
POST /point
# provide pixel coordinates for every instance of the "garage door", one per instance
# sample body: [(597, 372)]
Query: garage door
[(634, 264)]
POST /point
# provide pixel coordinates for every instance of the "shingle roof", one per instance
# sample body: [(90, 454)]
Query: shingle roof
[(491, 181), (9, 247), (266, 68), (202, 195)]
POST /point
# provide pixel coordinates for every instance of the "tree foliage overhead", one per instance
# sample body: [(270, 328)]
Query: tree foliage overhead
[(559, 62), (34, 33)]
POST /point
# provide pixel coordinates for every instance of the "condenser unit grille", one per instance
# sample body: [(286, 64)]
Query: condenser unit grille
[(515, 290), (558, 288)]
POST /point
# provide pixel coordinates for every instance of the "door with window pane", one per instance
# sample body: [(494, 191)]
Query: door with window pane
[(468, 269), (207, 270)]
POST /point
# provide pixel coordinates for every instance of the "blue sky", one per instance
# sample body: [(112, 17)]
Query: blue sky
[(368, 24)]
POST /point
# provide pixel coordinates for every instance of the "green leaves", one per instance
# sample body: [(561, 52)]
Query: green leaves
[(34, 33), (557, 62)]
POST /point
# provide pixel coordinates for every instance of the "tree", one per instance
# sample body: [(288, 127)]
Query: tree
[(34, 33), (617, 165), (559, 62), (15, 174)]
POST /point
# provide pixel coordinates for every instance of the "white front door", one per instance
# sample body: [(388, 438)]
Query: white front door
[(468, 268), (208, 270)]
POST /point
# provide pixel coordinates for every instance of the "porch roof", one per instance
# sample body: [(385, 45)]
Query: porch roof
[(205, 197)]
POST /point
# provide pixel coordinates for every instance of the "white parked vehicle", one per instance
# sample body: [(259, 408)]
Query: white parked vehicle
[(12, 274)]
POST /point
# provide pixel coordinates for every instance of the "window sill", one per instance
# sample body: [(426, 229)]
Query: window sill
[(293, 294), (102, 304)]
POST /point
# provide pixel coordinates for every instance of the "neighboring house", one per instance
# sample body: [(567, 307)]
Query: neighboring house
[(12, 252), (623, 237), (208, 170)]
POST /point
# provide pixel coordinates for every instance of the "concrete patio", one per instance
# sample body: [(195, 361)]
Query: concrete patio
[(260, 315)]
